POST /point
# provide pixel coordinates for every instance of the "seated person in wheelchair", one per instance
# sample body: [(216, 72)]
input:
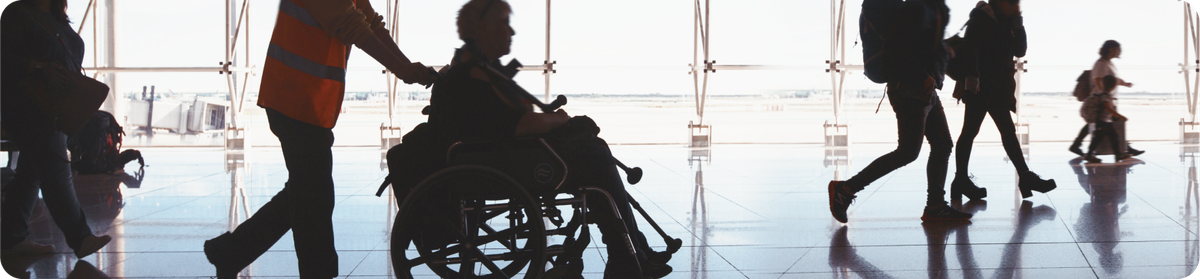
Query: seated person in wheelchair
[(469, 103)]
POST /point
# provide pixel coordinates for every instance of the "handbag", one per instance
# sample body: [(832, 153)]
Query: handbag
[(70, 107)]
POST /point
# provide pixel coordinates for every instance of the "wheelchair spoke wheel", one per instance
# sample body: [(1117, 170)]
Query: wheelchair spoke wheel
[(469, 222)]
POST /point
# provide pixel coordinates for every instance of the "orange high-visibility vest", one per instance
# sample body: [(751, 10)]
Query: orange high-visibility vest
[(304, 76)]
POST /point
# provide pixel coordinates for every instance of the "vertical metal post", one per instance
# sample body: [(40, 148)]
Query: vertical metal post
[(110, 48), (548, 64)]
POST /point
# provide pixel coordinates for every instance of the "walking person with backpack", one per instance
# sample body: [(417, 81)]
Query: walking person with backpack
[(1102, 68), (912, 63), (995, 34), (39, 46), (303, 85)]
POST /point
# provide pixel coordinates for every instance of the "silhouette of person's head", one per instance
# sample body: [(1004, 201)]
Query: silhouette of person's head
[(1110, 49), (485, 22), (1109, 83), (1006, 8)]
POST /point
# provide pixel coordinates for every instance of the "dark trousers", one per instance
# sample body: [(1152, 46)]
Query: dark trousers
[(972, 119), (916, 119), (43, 165), (1103, 130), (304, 206), (591, 163), (1083, 133)]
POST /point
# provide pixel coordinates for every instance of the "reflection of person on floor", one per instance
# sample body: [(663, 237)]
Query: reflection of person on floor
[(469, 103), (1104, 67), (936, 235), (39, 44), (1027, 217), (303, 85), (1098, 109), (995, 34), (842, 255), (917, 68), (1098, 221)]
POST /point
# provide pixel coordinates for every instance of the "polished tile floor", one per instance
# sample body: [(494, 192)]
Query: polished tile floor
[(743, 211)]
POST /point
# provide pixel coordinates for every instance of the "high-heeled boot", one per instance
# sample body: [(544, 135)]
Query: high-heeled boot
[(963, 185), (1030, 181)]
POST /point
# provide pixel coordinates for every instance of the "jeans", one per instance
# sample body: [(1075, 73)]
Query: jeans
[(972, 119), (304, 206), (1103, 130), (916, 119), (43, 165)]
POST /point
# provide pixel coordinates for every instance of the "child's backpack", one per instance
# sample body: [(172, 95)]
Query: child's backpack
[(96, 148), (1083, 86), (874, 27), (1092, 107)]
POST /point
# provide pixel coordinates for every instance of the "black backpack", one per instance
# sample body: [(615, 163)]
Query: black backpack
[(874, 27), (1083, 86), (96, 148)]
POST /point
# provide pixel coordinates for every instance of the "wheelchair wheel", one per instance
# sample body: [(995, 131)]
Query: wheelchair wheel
[(469, 222)]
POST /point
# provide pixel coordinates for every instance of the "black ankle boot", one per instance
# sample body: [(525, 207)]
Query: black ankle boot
[(964, 186), (1030, 181)]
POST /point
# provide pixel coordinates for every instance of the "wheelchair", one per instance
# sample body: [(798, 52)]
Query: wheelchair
[(486, 215)]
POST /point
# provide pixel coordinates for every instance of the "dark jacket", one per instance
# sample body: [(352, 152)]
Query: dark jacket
[(920, 53), (23, 38), (991, 45), (465, 107)]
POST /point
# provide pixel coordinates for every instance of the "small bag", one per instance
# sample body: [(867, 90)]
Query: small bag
[(71, 107)]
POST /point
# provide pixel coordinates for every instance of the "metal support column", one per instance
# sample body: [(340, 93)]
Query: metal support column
[(700, 133), (236, 134), (837, 134), (1189, 127), (1022, 126)]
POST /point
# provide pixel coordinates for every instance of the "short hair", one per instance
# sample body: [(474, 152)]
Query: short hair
[(474, 12), (1106, 49), (1109, 82), (1014, 2)]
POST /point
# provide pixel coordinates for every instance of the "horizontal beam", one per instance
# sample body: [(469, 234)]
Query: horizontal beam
[(166, 69)]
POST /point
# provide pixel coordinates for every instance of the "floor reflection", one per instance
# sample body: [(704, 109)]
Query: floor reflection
[(699, 215), (1099, 220)]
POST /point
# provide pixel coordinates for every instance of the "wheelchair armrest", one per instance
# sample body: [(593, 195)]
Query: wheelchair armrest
[(529, 161)]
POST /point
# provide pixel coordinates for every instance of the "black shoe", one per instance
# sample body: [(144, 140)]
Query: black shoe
[(217, 251), (658, 257), (1030, 181), (840, 198), (963, 185), (942, 213), (655, 270), (1075, 149), (1135, 152)]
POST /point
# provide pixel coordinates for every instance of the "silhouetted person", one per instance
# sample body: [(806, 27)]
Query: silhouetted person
[(1104, 67), (303, 85), (39, 45), (1099, 220), (473, 101), (995, 34), (1099, 110), (917, 60)]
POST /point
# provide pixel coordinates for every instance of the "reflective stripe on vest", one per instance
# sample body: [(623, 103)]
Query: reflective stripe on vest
[(304, 65), (305, 72)]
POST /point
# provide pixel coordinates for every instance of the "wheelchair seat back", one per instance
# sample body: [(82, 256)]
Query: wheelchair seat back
[(529, 161)]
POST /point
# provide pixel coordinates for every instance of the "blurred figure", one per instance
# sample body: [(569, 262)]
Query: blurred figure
[(1104, 67), (303, 85), (917, 57), (995, 34), (1098, 109), (38, 45)]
